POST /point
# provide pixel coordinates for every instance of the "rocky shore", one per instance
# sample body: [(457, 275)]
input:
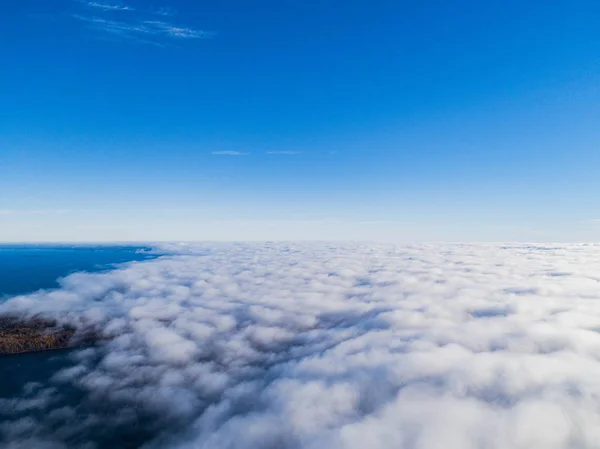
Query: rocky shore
[(19, 336)]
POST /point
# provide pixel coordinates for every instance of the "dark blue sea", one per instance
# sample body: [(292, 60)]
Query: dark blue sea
[(27, 268)]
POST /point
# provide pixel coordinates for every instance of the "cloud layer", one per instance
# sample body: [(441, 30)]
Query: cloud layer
[(327, 346)]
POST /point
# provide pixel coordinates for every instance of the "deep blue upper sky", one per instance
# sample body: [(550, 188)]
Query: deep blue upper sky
[(453, 120)]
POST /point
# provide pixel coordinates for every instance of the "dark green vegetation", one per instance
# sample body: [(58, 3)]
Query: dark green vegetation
[(32, 335)]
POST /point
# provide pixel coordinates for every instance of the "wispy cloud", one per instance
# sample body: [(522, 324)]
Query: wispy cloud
[(165, 11), (140, 27), (108, 7), (143, 31), (229, 153), (283, 152), (159, 27)]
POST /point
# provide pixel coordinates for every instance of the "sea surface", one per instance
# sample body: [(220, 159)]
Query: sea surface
[(28, 268)]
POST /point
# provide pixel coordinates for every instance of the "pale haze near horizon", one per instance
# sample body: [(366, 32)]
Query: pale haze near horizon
[(152, 226)]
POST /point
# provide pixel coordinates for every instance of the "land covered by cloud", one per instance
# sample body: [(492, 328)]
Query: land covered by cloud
[(325, 346)]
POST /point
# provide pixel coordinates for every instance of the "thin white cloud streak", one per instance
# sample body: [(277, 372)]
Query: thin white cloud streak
[(165, 11), (108, 7), (160, 27), (139, 28), (330, 346), (134, 30), (283, 152), (229, 153)]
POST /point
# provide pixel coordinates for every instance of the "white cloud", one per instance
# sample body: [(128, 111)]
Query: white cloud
[(108, 7), (138, 27), (329, 346), (165, 11), (230, 153), (283, 152), (159, 27), (139, 30)]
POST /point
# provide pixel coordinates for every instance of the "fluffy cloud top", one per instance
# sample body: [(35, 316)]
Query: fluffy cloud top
[(326, 346)]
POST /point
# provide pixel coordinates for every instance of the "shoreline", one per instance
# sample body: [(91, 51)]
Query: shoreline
[(26, 336)]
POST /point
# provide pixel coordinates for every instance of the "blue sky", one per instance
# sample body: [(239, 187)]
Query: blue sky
[(243, 120)]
